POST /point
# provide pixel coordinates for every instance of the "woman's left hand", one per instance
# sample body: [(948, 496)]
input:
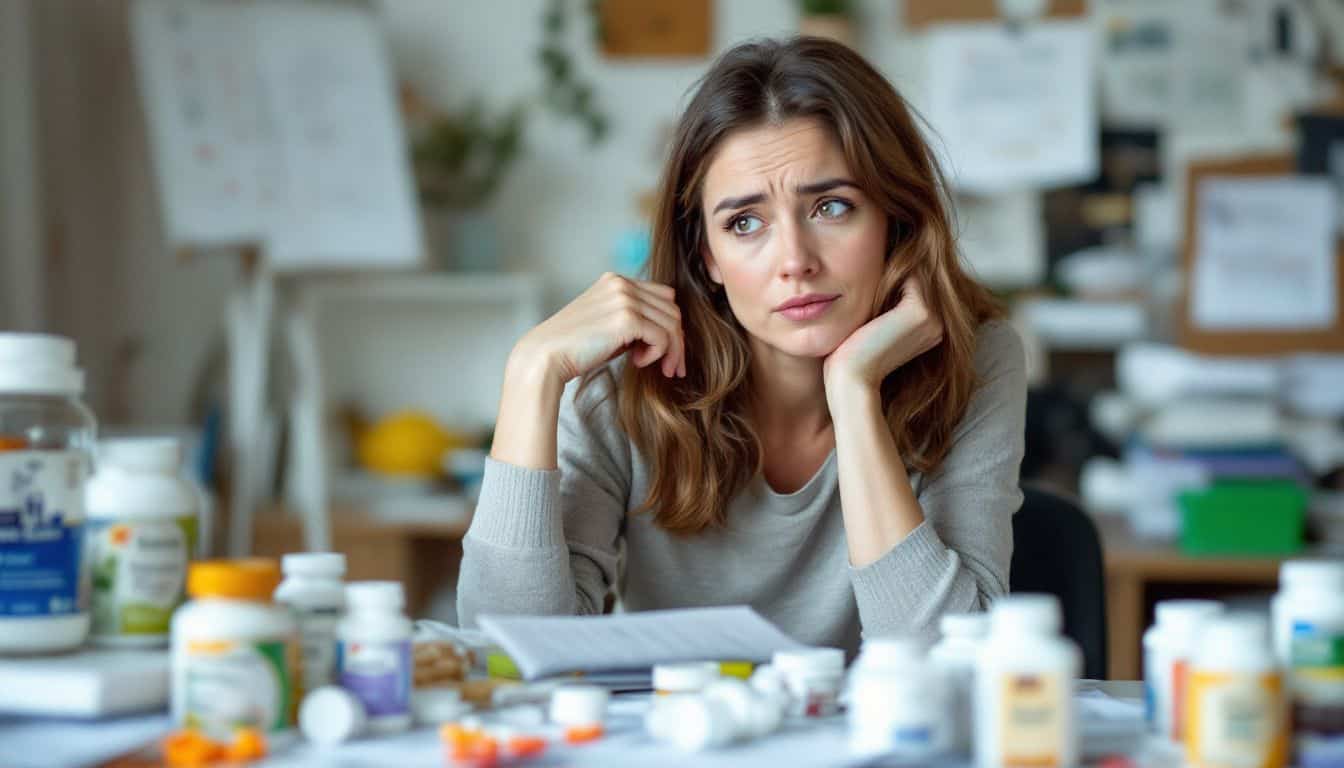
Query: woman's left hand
[(884, 343)]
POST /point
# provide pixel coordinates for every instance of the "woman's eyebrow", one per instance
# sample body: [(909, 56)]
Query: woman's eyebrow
[(813, 188)]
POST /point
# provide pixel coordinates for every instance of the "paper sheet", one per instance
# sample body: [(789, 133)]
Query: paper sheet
[(1137, 37), (541, 646), (1013, 108), (1266, 254)]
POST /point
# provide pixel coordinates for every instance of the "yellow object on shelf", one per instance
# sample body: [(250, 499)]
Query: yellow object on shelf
[(408, 443)]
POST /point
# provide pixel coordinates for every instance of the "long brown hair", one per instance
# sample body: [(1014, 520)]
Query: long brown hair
[(695, 433)]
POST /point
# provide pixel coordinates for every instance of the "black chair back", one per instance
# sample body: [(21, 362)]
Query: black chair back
[(1056, 550)]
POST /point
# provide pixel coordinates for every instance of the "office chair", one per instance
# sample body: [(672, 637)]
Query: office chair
[(1056, 550)]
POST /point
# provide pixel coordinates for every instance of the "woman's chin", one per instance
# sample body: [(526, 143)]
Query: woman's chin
[(814, 343)]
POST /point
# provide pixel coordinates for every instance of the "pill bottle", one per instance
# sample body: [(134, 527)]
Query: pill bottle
[(955, 654), (142, 532), (235, 653), (814, 677), (313, 590), (898, 702), (1235, 708), (46, 442), (1309, 613), (1168, 646), (1025, 676), (373, 658)]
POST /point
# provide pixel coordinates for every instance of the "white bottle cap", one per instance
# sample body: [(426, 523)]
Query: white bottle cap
[(1235, 631), (684, 677), (1312, 575), (701, 723), (972, 625), (331, 715), (579, 705), (375, 595), (437, 705), (146, 454), (1185, 616), (739, 701), (1027, 613), (892, 651), (330, 564), (810, 660), (38, 364)]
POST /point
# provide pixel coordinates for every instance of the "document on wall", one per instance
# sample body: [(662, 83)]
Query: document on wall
[(1013, 107), (541, 646), (1265, 255)]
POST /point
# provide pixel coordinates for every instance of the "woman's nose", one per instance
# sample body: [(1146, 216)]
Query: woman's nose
[(797, 254)]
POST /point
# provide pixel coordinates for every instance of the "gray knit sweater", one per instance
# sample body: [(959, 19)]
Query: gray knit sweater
[(549, 542)]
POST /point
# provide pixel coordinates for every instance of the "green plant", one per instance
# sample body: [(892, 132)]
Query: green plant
[(461, 157), (824, 7)]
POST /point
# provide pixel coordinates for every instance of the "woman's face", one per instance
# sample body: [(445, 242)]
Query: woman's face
[(796, 245)]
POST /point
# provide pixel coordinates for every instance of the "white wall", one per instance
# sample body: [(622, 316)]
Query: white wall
[(564, 203)]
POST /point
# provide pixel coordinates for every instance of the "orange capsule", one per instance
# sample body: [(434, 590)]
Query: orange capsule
[(526, 746), (248, 744), (582, 734)]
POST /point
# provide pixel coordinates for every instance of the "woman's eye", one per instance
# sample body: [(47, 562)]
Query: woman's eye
[(746, 225), (833, 209)]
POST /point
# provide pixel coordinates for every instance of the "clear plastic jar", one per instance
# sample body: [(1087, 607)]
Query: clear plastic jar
[(46, 440)]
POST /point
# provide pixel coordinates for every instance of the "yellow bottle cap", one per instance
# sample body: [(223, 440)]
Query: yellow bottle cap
[(247, 579)]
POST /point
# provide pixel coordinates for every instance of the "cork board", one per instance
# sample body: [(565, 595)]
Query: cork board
[(1250, 341), (921, 13), (657, 28)]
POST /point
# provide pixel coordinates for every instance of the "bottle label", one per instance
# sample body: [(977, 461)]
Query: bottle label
[(1317, 680), (317, 627), (1180, 681), (42, 534), (1236, 719), (378, 674), (139, 573), (1032, 720), (229, 684)]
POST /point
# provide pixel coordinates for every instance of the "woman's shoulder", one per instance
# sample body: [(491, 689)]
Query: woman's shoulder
[(998, 350)]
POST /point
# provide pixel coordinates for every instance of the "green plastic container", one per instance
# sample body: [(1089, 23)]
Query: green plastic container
[(1243, 517)]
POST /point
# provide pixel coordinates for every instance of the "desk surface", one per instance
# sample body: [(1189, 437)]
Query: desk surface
[(801, 744)]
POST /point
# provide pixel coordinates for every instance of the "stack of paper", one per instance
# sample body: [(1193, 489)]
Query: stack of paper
[(542, 646)]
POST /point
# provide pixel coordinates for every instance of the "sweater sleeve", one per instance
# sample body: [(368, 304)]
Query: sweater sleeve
[(958, 558), (546, 542)]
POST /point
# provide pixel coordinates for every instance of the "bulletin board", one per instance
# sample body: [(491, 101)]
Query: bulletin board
[(921, 13), (1249, 341), (657, 28)]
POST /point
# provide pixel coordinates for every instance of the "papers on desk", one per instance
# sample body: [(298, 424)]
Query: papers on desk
[(542, 646), (1266, 254)]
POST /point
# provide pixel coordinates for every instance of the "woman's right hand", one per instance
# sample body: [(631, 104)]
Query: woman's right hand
[(616, 314)]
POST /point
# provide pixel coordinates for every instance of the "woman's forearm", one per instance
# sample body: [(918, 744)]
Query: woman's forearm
[(529, 410), (878, 502)]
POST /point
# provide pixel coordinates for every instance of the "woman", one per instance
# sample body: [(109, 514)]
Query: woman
[(805, 329)]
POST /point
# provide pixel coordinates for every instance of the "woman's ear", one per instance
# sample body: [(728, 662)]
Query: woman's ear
[(711, 266)]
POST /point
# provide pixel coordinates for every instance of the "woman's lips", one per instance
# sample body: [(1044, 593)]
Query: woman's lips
[(809, 311)]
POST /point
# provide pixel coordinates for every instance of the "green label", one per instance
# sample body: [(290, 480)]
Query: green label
[(231, 685), (1315, 646), (139, 570)]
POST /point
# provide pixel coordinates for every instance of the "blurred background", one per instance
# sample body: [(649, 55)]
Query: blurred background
[(304, 235)]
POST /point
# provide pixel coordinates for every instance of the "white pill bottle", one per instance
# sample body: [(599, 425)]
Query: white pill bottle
[(313, 590), (46, 441), (144, 522), (373, 658), (1026, 675), (1236, 711)]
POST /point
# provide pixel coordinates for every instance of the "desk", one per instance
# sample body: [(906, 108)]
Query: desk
[(801, 744), (1135, 566)]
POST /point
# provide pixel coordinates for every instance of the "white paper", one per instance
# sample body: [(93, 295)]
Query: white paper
[(1265, 255), (544, 645), (1209, 68), (1013, 107), (344, 191), (1136, 54), (1002, 238), (198, 80)]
